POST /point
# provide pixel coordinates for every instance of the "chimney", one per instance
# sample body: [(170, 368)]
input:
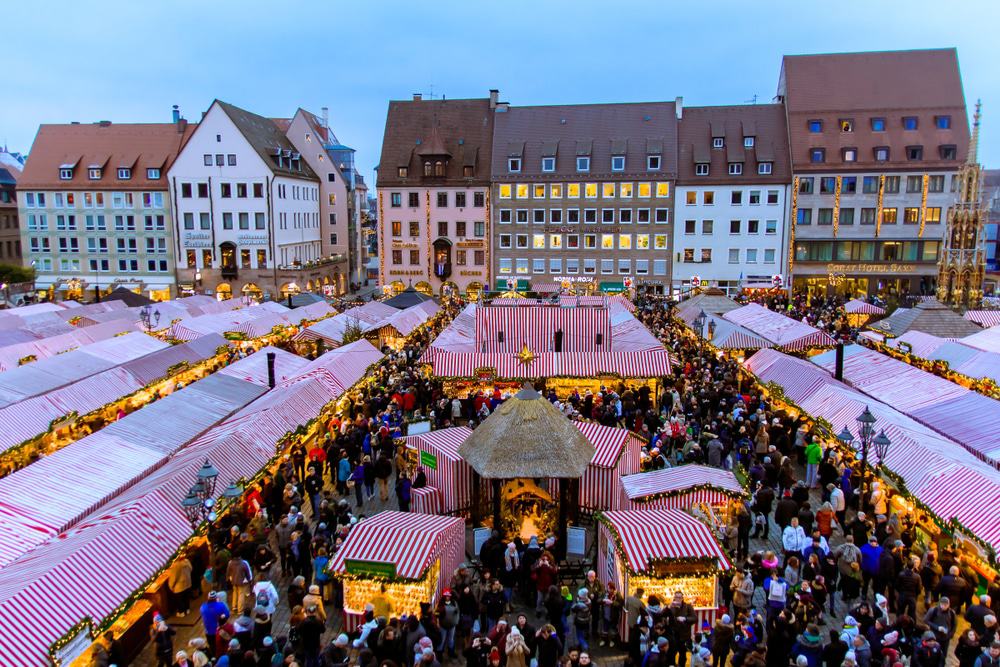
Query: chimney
[(270, 369), (839, 368), (494, 97), (417, 97), (679, 105), (326, 117), (182, 125), (176, 113)]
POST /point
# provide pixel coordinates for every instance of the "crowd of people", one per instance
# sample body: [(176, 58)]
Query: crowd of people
[(851, 584)]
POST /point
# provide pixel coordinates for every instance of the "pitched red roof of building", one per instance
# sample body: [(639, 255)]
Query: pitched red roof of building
[(764, 122), (139, 146)]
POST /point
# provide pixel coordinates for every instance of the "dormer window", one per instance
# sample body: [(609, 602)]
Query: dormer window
[(439, 168), (548, 164), (617, 163), (94, 173), (152, 173), (653, 162), (735, 168), (468, 171), (718, 142), (124, 173), (514, 165), (765, 168), (846, 124), (914, 152), (948, 152), (701, 169), (881, 153), (428, 169), (66, 173), (910, 122), (402, 171), (942, 122), (815, 126), (583, 163), (850, 154), (748, 142)]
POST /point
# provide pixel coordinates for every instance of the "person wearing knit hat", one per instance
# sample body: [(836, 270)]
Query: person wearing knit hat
[(181, 659), (494, 656)]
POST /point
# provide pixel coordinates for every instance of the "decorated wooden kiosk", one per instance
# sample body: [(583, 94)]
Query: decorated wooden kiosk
[(518, 448), (661, 551), (396, 560), (711, 493)]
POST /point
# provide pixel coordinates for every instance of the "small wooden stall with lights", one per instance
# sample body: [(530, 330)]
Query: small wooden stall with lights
[(704, 491), (396, 561), (661, 551), (860, 312)]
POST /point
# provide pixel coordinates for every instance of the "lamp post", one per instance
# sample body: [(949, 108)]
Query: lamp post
[(199, 504), (150, 318), (699, 323), (865, 439)]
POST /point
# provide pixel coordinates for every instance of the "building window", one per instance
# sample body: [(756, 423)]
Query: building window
[(653, 162), (203, 191), (734, 255), (718, 142), (65, 174), (555, 216), (734, 226), (521, 216), (942, 122), (815, 126), (888, 216), (701, 169), (771, 227), (914, 152), (538, 266), (607, 266), (413, 199), (397, 228), (911, 215), (460, 257), (548, 164), (772, 197), (414, 257), (846, 216), (748, 142), (933, 215), (804, 216), (824, 216), (442, 228), (538, 241), (124, 174), (642, 267), (415, 228), (608, 190), (442, 200), (608, 216), (521, 240), (396, 199), (827, 185), (707, 227), (878, 124), (735, 168), (706, 255), (881, 153), (806, 186), (753, 226), (850, 154), (207, 158), (94, 173), (914, 183), (892, 184), (948, 152), (583, 164), (514, 165), (505, 241), (935, 183), (817, 155), (625, 216), (708, 198), (478, 199), (751, 256), (910, 122), (689, 226), (590, 216), (460, 200), (617, 163), (459, 228), (736, 197), (152, 174), (402, 172), (755, 197), (764, 168), (468, 171), (624, 266), (868, 216)]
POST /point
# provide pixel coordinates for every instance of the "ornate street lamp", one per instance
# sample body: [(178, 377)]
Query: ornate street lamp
[(150, 318), (199, 504), (699, 323), (882, 444), (866, 438), (207, 476)]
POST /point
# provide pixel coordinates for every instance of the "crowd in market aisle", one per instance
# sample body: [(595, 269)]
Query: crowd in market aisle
[(831, 587)]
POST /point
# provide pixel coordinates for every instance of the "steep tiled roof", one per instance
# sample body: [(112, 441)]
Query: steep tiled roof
[(462, 129), (266, 137), (882, 84), (764, 122), (599, 130), (139, 146), (929, 317)]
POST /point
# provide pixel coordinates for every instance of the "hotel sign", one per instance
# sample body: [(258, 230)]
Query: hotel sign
[(870, 268)]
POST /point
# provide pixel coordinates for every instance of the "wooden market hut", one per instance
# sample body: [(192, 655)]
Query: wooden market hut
[(528, 439)]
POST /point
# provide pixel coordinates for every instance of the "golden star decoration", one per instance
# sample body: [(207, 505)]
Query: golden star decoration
[(526, 356)]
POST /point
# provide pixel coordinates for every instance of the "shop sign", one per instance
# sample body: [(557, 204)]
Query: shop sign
[(252, 239), (485, 374), (870, 268), (572, 279), (198, 240), (470, 244), (404, 244), (403, 272), (75, 646), (695, 281), (428, 460), (612, 287), (370, 568), (777, 280), (470, 273)]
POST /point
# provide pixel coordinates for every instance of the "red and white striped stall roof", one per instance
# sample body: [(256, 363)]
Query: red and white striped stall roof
[(987, 340), (408, 540), (859, 307), (730, 336), (609, 301), (509, 329), (653, 363), (654, 534), (781, 330), (968, 496), (609, 441), (453, 476), (984, 318), (682, 479)]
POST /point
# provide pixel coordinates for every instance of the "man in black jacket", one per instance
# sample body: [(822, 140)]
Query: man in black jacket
[(908, 588), (682, 620)]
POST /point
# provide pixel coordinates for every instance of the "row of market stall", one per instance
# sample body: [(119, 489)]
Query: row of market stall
[(381, 324), (948, 491), (101, 520)]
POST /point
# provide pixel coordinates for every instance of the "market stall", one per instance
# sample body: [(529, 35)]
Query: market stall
[(447, 472), (684, 487), (397, 560), (661, 551), (859, 312), (618, 453), (783, 331)]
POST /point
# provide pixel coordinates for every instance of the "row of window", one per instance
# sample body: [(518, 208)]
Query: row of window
[(750, 256), (642, 190), (93, 199), (461, 257), (735, 227), (413, 199), (878, 124), (890, 216), (735, 197), (881, 153), (298, 221), (869, 184), (71, 265), (589, 266), (71, 244), (246, 257), (867, 251), (95, 223), (97, 173), (583, 163), (571, 216), (735, 168), (461, 228), (590, 241)]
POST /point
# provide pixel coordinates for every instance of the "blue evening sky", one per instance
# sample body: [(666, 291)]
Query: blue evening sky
[(129, 61)]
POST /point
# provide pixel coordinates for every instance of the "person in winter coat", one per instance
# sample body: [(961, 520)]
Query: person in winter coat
[(448, 618), (942, 621), (810, 645), (967, 649), (548, 646), (581, 618), (403, 486), (517, 649), (990, 657), (722, 640), (793, 539), (928, 652), (834, 652)]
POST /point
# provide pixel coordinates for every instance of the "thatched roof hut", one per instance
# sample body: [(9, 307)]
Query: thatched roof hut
[(930, 317), (527, 437)]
